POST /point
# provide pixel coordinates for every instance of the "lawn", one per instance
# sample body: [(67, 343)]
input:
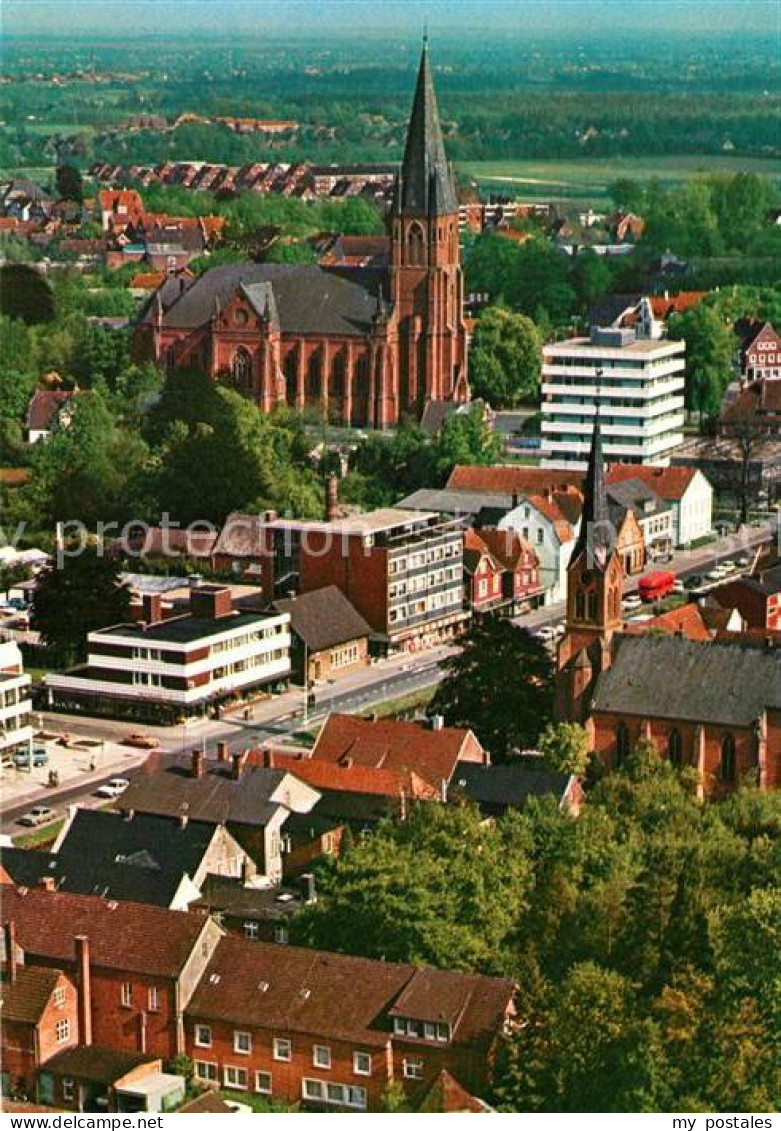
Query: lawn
[(587, 179)]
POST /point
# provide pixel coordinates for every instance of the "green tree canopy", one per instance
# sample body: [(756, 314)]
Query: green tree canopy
[(505, 358), (25, 294), (82, 595)]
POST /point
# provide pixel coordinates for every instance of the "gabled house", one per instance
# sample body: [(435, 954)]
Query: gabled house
[(483, 574), (650, 532), (685, 489), (253, 803), (330, 638), (49, 410), (136, 966), (549, 523), (332, 1031), (759, 349)]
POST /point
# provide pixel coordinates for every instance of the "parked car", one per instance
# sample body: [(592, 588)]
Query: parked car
[(143, 741), (112, 788), (40, 757), (632, 601), (546, 633), (715, 574), (40, 815), (729, 566), (745, 560), (693, 581), (678, 586)]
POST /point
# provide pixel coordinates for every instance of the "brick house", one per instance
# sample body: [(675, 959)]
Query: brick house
[(483, 573), (332, 1031), (759, 350), (136, 966), (518, 566), (330, 638), (757, 597), (39, 1017)]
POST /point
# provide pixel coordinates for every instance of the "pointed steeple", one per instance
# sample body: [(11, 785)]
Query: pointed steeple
[(595, 537), (427, 187)]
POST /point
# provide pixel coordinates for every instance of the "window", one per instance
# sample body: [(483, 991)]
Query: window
[(314, 1089), (674, 747), (251, 930), (356, 1097), (362, 1064), (59, 997), (242, 368), (430, 1031), (235, 1077), (443, 1032), (283, 1050), (540, 536), (281, 935), (203, 1036), (206, 1070), (263, 1083), (335, 1093), (153, 999), (321, 1056), (622, 743), (728, 761), (580, 605), (68, 1088), (62, 1031), (127, 993), (242, 1042), (412, 1069)]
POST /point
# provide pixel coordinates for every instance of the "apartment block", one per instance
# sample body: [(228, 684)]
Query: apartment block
[(16, 730)]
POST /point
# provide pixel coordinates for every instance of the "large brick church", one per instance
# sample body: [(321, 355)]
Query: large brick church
[(364, 345)]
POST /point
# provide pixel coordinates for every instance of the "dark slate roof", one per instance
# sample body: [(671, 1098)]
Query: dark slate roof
[(633, 494), (143, 859), (673, 678), (496, 788), (610, 307), (426, 187), (97, 1063), (28, 866), (467, 503), (307, 299), (324, 618), (215, 797), (595, 529), (232, 897), (185, 629)]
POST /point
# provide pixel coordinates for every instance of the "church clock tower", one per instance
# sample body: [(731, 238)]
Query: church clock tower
[(595, 579), (425, 279)]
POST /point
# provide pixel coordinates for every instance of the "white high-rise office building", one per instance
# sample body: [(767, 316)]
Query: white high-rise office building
[(639, 384)]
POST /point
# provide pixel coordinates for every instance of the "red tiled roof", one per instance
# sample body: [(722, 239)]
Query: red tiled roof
[(510, 478), (663, 306), (44, 405), (757, 399), (687, 620), (447, 1096), (122, 936), (391, 744), (110, 199), (149, 280), (668, 482), (509, 548), (348, 779), (294, 990), (26, 998)]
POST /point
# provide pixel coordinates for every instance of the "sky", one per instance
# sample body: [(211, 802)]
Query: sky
[(283, 18)]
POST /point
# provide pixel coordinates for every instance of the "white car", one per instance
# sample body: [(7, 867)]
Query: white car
[(729, 566), (633, 601), (547, 632), (678, 586), (715, 574), (112, 788)]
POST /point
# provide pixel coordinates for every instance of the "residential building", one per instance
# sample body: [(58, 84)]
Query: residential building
[(92, 1078), (361, 346), (141, 857), (483, 575), (512, 479), (16, 731), (550, 524), (756, 596), (330, 638), (48, 410), (252, 803), (136, 966), (165, 670), (495, 789), (652, 520), (637, 381), (502, 571), (685, 490), (431, 752), (759, 350), (331, 1031), (401, 570)]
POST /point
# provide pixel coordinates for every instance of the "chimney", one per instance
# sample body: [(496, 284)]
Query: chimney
[(516, 500), (48, 883), (210, 602), (85, 990), (331, 498), (308, 887), (222, 751), (237, 765), (151, 608), (196, 764), (10, 949), (437, 722)]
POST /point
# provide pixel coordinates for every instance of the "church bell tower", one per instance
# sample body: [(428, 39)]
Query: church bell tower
[(426, 281)]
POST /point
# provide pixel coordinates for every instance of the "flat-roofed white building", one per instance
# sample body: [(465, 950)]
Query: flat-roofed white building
[(162, 670), (639, 385), (16, 731)]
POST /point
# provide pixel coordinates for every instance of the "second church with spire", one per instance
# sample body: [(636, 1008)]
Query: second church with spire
[(363, 345)]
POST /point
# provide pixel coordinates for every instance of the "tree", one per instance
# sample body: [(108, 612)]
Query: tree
[(465, 438), (627, 194), (25, 294), (432, 889), (750, 434), (500, 684), (710, 354), (69, 184), (80, 596), (505, 358), (565, 748), (591, 277)]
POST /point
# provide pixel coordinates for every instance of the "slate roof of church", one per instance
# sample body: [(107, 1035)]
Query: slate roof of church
[(307, 299), (671, 678)]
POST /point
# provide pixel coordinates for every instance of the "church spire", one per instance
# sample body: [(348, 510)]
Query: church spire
[(595, 537), (427, 187)]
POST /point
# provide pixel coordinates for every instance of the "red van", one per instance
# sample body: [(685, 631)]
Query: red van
[(657, 584)]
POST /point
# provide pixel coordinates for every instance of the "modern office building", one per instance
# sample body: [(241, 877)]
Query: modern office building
[(638, 383)]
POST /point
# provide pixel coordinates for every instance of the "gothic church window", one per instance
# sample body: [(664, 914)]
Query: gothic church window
[(241, 369), (728, 768), (622, 743)]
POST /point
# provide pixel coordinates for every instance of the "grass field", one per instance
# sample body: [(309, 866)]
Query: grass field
[(588, 179)]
